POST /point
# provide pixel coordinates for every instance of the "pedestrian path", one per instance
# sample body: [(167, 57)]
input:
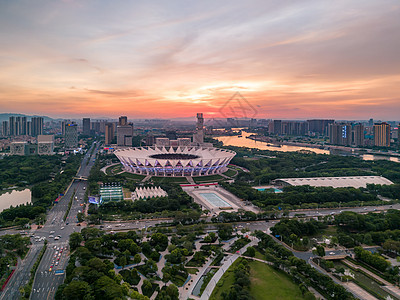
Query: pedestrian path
[(213, 282), (389, 287)]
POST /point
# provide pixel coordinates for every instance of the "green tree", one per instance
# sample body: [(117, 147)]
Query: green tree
[(75, 240), (173, 292), (320, 251), (251, 251), (77, 290), (137, 258)]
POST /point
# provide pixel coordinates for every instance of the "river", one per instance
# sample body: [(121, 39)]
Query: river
[(242, 141), (14, 198)]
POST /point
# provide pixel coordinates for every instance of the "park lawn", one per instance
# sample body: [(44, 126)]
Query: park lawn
[(209, 178), (159, 180), (133, 176), (226, 281), (259, 255), (268, 283), (192, 270), (230, 173)]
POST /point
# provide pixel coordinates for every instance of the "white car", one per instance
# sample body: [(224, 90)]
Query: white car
[(62, 228), (332, 253)]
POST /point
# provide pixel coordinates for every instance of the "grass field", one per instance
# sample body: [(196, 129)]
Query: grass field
[(225, 283), (169, 179), (268, 283), (210, 178), (133, 176), (230, 173)]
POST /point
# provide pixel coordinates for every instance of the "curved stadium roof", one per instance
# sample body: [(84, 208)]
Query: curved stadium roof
[(175, 161)]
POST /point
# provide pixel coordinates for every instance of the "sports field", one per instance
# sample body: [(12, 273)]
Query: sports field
[(268, 283)]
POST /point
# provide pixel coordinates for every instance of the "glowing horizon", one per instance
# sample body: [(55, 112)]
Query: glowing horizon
[(290, 60)]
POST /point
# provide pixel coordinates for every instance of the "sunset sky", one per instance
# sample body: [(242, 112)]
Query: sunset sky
[(290, 59)]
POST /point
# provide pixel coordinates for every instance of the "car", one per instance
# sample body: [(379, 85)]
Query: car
[(67, 223), (50, 269), (55, 247), (55, 256), (56, 263), (51, 232), (62, 228), (56, 238), (58, 258), (51, 236), (331, 253), (365, 208)]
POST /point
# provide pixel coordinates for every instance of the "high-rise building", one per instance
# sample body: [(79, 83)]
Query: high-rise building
[(45, 144), (124, 135), (371, 122), (358, 135), (277, 127), (109, 133), (4, 128), (150, 140), (319, 126), (23, 130), (340, 134), (123, 121), (37, 126), (18, 124), (382, 134), (86, 126), (71, 136), (198, 136), (29, 128), (12, 124)]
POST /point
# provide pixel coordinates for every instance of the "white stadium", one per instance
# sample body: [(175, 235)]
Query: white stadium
[(175, 161)]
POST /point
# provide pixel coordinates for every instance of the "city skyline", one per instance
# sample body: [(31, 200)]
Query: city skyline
[(313, 59)]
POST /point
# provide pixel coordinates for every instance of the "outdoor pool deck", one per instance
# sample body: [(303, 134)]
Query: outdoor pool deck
[(216, 199), (263, 188)]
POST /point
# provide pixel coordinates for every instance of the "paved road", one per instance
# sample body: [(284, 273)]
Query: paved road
[(56, 256), (46, 282), (21, 275), (334, 211)]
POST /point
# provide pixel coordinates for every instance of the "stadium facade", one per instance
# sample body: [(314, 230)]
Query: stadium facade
[(175, 161)]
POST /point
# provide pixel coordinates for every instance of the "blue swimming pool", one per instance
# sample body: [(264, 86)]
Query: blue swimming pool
[(275, 190), (214, 200)]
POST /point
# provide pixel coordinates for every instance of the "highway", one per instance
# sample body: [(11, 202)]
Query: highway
[(55, 259), (46, 282)]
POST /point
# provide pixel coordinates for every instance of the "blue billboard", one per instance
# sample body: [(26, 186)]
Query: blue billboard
[(93, 200)]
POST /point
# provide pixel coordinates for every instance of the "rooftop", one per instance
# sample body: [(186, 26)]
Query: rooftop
[(336, 182)]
